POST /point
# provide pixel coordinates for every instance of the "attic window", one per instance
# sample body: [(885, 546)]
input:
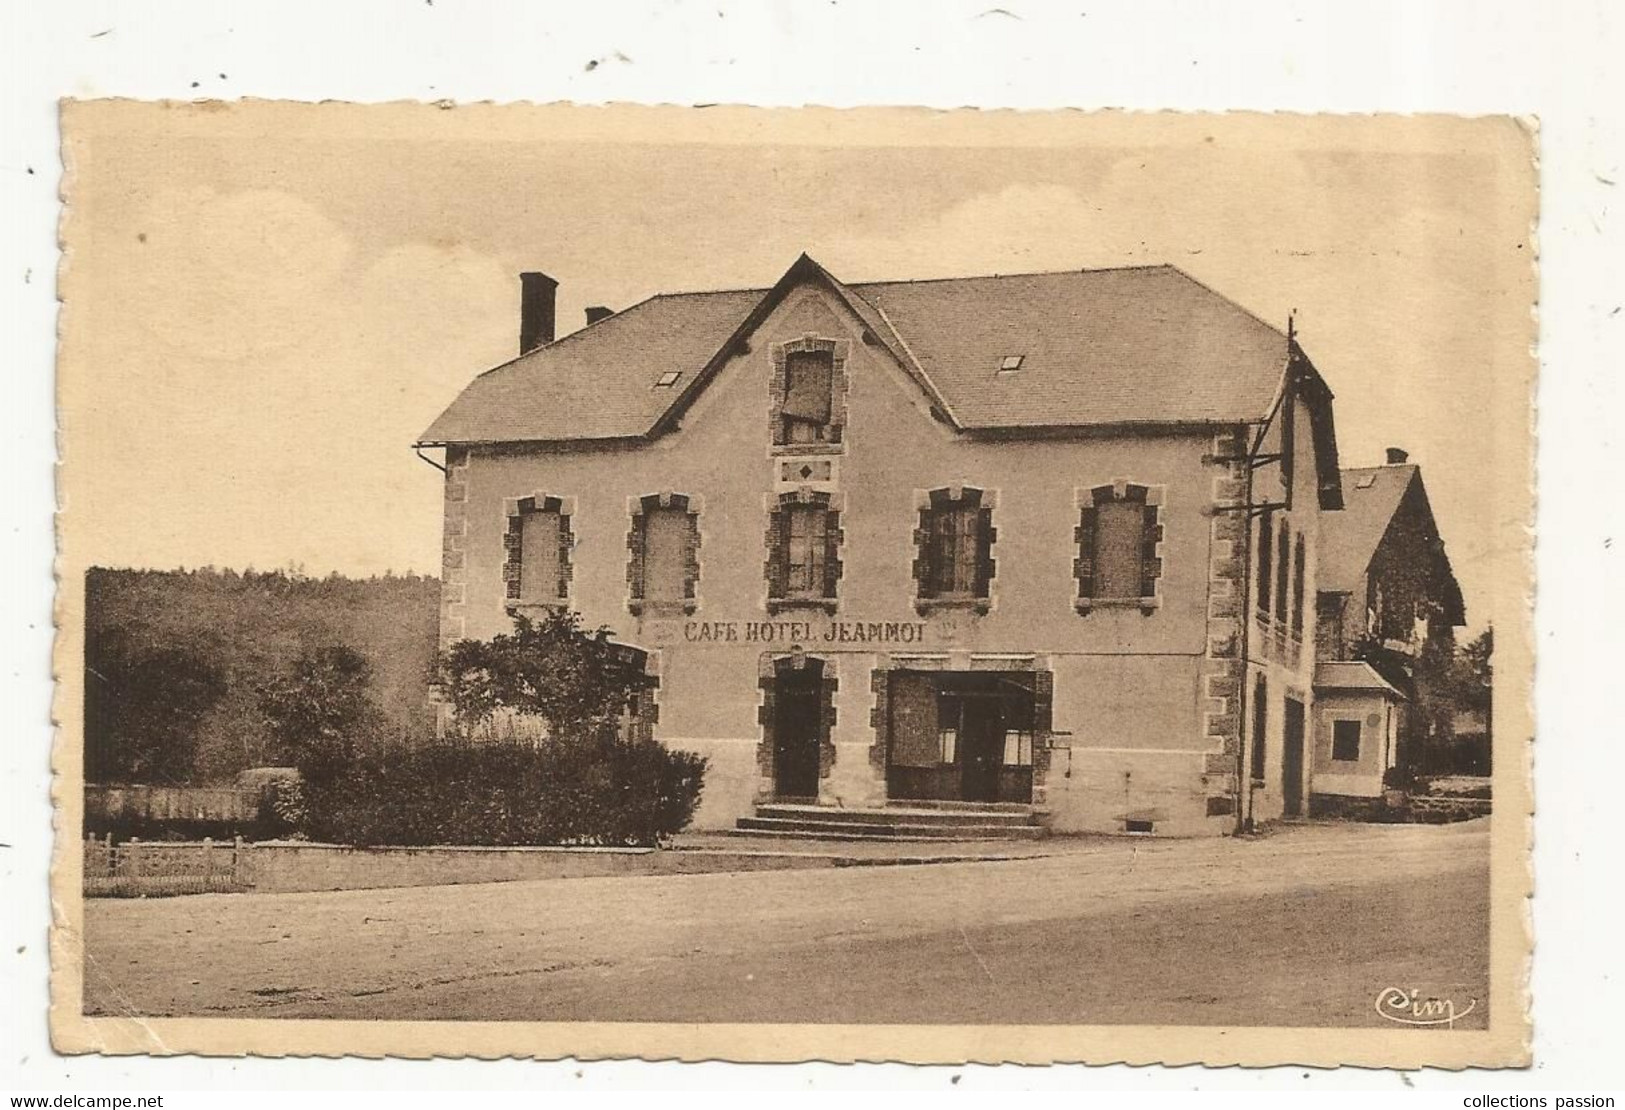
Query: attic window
[(1010, 363), (668, 379), (1365, 481)]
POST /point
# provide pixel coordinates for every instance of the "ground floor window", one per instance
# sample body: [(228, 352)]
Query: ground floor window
[(958, 735), (1346, 741)]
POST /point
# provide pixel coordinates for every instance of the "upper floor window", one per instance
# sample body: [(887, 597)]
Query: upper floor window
[(804, 536), (1266, 560), (954, 546), (809, 377), (1283, 574), (537, 542), (664, 570), (1119, 538), (808, 384), (1299, 558)]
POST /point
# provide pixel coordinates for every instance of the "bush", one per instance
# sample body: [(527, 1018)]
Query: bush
[(507, 792)]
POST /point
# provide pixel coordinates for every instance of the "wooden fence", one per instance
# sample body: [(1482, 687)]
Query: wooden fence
[(135, 867)]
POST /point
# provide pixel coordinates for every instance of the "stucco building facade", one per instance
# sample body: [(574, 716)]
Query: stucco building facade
[(1035, 540)]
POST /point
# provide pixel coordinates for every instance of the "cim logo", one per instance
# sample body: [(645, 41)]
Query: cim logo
[(1408, 1007)]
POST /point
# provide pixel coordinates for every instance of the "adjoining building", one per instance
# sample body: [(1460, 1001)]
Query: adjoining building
[(1387, 608), (1043, 540)]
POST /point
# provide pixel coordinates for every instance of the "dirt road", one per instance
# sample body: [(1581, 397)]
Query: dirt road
[(1303, 927)]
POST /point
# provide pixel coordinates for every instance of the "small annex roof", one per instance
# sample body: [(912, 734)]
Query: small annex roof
[(1353, 676), (1138, 345)]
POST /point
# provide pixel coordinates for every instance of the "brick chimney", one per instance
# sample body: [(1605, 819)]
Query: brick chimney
[(1397, 456), (598, 312), (536, 309)]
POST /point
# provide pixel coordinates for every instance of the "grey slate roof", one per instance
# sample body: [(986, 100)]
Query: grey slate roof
[(1351, 675), (1140, 345), (1349, 537)]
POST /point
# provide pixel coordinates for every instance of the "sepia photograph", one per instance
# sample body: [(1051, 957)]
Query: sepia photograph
[(791, 584)]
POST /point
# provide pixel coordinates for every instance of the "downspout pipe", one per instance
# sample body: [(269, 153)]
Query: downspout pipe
[(417, 449), (1244, 782)]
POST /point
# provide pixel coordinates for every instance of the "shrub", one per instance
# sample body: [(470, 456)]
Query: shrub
[(507, 792), (574, 682)]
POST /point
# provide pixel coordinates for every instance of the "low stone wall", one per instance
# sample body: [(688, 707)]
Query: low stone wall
[(288, 866)]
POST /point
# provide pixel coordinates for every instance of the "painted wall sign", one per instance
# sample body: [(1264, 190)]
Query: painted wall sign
[(804, 632)]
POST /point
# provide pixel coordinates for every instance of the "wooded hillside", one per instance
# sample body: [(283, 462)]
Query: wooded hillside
[(175, 661)]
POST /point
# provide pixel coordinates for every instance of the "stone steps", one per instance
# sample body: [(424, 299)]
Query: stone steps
[(906, 822), (898, 814)]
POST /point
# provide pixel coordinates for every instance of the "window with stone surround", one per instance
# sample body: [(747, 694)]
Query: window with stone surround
[(809, 393), (804, 548), (953, 545), (663, 567), (537, 545), (1119, 537)]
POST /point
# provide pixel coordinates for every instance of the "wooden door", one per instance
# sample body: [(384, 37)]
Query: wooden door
[(981, 737), (797, 706), (1292, 759)]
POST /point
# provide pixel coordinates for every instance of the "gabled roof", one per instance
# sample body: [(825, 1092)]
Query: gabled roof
[(1139, 345), (1349, 538), (1351, 675)]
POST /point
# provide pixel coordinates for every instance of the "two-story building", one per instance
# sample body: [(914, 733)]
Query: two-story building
[(1387, 608), (1038, 539)]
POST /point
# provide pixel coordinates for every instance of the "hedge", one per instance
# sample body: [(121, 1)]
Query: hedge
[(507, 792)]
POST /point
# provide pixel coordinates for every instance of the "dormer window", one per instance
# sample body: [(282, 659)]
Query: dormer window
[(809, 386), (1009, 364), (668, 379), (809, 377)]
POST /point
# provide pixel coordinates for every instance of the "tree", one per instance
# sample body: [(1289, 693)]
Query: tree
[(321, 709), (1474, 674), (578, 683), (1477, 669), (144, 703)]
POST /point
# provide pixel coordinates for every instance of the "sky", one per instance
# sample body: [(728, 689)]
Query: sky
[(265, 307)]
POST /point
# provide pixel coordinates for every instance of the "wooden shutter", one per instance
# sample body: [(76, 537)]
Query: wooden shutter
[(665, 554), (1298, 559), (809, 377), (778, 553), (540, 566), (1119, 539), (832, 551), (1266, 554), (1283, 572), (1150, 537), (985, 536), (1088, 525)]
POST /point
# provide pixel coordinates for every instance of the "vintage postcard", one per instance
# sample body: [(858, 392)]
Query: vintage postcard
[(796, 584)]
